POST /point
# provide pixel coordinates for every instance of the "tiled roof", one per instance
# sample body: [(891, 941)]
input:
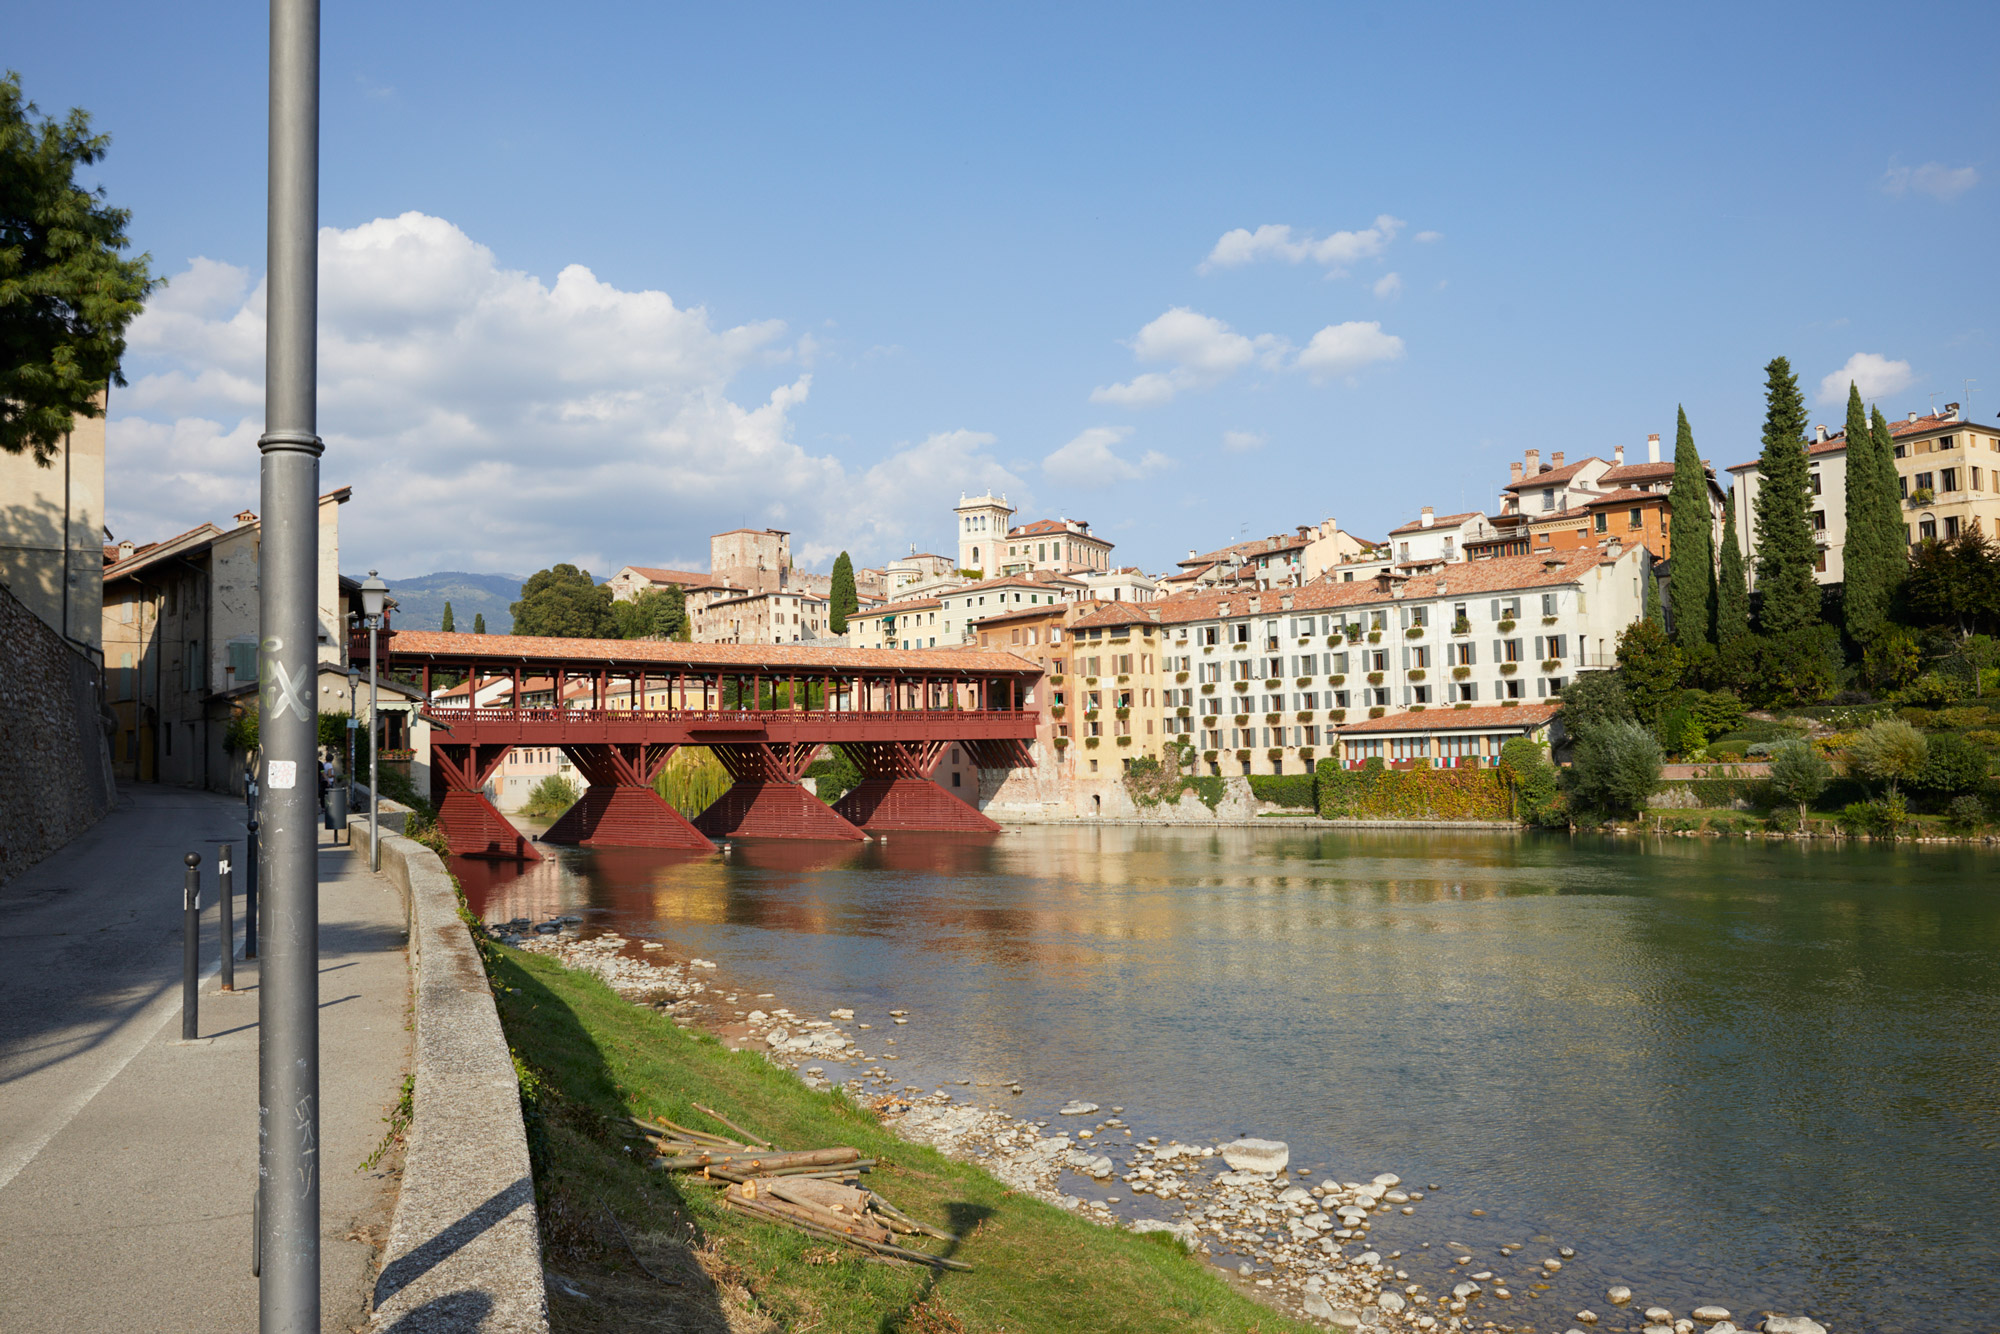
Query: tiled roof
[(686, 578), (1637, 472), (896, 608), (1627, 496), (1554, 476), (1559, 516), (1120, 613), (496, 649), (1021, 581), (1255, 546), (1441, 719), (1031, 611), (178, 544), (1898, 429), (1051, 526), (1441, 521)]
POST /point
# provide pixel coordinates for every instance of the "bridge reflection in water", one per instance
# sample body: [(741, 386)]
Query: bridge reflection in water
[(766, 711)]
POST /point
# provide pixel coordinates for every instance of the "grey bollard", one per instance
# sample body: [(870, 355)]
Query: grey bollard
[(250, 895), (191, 948), (225, 913)]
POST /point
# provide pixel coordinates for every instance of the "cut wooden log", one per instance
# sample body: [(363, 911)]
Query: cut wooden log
[(756, 1161)]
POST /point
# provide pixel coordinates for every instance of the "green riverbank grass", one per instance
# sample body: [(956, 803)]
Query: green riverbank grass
[(590, 1058)]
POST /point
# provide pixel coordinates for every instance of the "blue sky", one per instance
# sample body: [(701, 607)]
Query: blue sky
[(602, 279)]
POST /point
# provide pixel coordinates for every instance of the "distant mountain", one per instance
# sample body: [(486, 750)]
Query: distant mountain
[(420, 600)]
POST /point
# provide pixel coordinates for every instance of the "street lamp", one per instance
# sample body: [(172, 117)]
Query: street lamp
[(373, 591), (353, 720)]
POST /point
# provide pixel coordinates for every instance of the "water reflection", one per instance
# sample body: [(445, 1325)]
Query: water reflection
[(1758, 1073)]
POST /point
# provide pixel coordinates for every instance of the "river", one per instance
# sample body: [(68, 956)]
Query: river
[(1763, 1074)]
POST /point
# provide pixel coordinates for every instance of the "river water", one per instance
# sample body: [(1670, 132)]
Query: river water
[(1759, 1074)]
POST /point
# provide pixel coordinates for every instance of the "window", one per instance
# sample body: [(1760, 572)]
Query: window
[(1420, 616), (1951, 525), (1460, 655), (1409, 748), (1507, 650), (1925, 481), (1900, 451), (1819, 521), (1241, 633), (1548, 604), (1510, 688), (1948, 479), (1601, 521), (1815, 483), (1926, 528), (1635, 519), (1420, 694), (1558, 646), (1548, 498), (1420, 656)]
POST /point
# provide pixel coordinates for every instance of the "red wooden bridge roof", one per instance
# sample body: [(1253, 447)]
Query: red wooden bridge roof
[(534, 651)]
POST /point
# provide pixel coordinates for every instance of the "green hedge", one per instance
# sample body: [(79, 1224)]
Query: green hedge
[(1410, 794), (1298, 790)]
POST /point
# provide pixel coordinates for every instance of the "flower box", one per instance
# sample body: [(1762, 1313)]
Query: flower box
[(1414, 632), (1376, 711), (1417, 673), (1460, 673), (1509, 668), (1374, 678), (1507, 626), (1552, 665)]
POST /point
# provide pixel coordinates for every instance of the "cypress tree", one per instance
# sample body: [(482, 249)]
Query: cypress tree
[(1894, 533), (1691, 573), (1654, 612), (1864, 564), (843, 601), (1786, 551), (1732, 593), (479, 623), (447, 625)]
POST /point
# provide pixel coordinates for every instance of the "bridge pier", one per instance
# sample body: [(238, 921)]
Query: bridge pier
[(620, 808), (896, 791), (767, 800), (472, 826)]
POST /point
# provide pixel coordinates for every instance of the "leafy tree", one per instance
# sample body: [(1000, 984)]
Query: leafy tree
[(1614, 768), (1868, 575), (1890, 751), (1525, 768), (1795, 668), (1649, 667), (1732, 592), (1681, 731), (657, 613), (843, 601), (1952, 765), (1719, 710), (566, 603), (552, 796), (1799, 774), (1953, 582), (1786, 551), (1691, 577), (478, 622), (66, 292), (1892, 659), (446, 625), (1595, 697)]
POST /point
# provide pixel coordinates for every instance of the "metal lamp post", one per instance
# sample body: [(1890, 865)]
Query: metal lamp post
[(373, 591), (353, 719)]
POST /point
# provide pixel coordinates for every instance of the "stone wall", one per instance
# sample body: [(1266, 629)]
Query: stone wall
[(55, 765)]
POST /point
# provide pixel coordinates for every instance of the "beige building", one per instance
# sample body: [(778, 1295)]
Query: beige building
[(990, 542), (1947, 468), (52, 532), (774, 617)]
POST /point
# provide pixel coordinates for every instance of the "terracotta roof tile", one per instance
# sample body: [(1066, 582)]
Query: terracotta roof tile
[(1637, 472), (1898, 429), (1443, 719), (665, 653), (1554, 476), (1440, 521), (1626, 496), (1042, 526)]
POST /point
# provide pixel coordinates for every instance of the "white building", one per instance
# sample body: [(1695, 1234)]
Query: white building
[(990, 542)]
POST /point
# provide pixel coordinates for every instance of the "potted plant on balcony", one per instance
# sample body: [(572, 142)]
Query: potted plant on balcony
[(1374, 678), (1509, 668), (1506, 626), (1414, 632), (1417, 673), (1461, 626), (1460, 673)]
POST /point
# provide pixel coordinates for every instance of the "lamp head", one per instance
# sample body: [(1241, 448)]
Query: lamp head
[(373, 591)]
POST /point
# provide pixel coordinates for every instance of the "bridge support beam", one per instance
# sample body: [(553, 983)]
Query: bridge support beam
[(767, 799), (896, 791), (472, 826), (620, 808)]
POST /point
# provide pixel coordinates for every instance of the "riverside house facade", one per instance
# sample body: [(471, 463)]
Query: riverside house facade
[(1263, 682)]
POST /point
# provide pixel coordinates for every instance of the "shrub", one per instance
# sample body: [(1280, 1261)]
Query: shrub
[(1890, 752), (1883, 819), (1966, 814), (1530, 781), (1799, 774), (1681, 732), (1594, 697), (1990, 740), (1614, 769), (1952, 764), (1719, 710), (1929, 691), (1377, 792), (552, 796)]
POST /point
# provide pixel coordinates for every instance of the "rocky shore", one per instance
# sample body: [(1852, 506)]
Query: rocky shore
[(1304, 1242)]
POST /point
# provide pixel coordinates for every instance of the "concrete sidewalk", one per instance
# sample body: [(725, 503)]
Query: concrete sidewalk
[(128, 1158)]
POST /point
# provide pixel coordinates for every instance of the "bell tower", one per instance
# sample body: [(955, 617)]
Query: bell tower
[(982, 531)]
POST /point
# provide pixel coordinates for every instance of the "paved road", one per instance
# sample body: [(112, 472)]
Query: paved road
[(128, 1158)]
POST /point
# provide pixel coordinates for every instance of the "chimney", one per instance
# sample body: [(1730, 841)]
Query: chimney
[(1951, 412), (1618, 456), (1190, 553), (1515, 469), (1556, 459), (125, 550), (1913, 416), (1428, 518), (1653, 448), (1819, 434), (1534, 462), (245, 516)]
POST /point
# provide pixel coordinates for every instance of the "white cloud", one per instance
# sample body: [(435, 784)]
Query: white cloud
[(1090, 461), (1389, 286), (1876, 376), (1933, 178), (1343, 349), (1202, 350), (1241, 442), (1427, 237), (1278, 241), (490, 420)]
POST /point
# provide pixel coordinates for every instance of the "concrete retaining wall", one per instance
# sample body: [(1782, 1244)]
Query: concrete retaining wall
[(55, 764), (464, 1252)]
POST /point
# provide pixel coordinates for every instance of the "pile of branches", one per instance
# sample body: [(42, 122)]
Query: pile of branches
[(813, 1190)]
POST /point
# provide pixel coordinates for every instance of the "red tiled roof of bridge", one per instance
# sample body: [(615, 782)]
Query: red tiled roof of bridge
[(648, 652), (1523, 715)]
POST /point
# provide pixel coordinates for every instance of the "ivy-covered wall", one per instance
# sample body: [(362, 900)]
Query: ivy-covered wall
[(1411, 794)]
